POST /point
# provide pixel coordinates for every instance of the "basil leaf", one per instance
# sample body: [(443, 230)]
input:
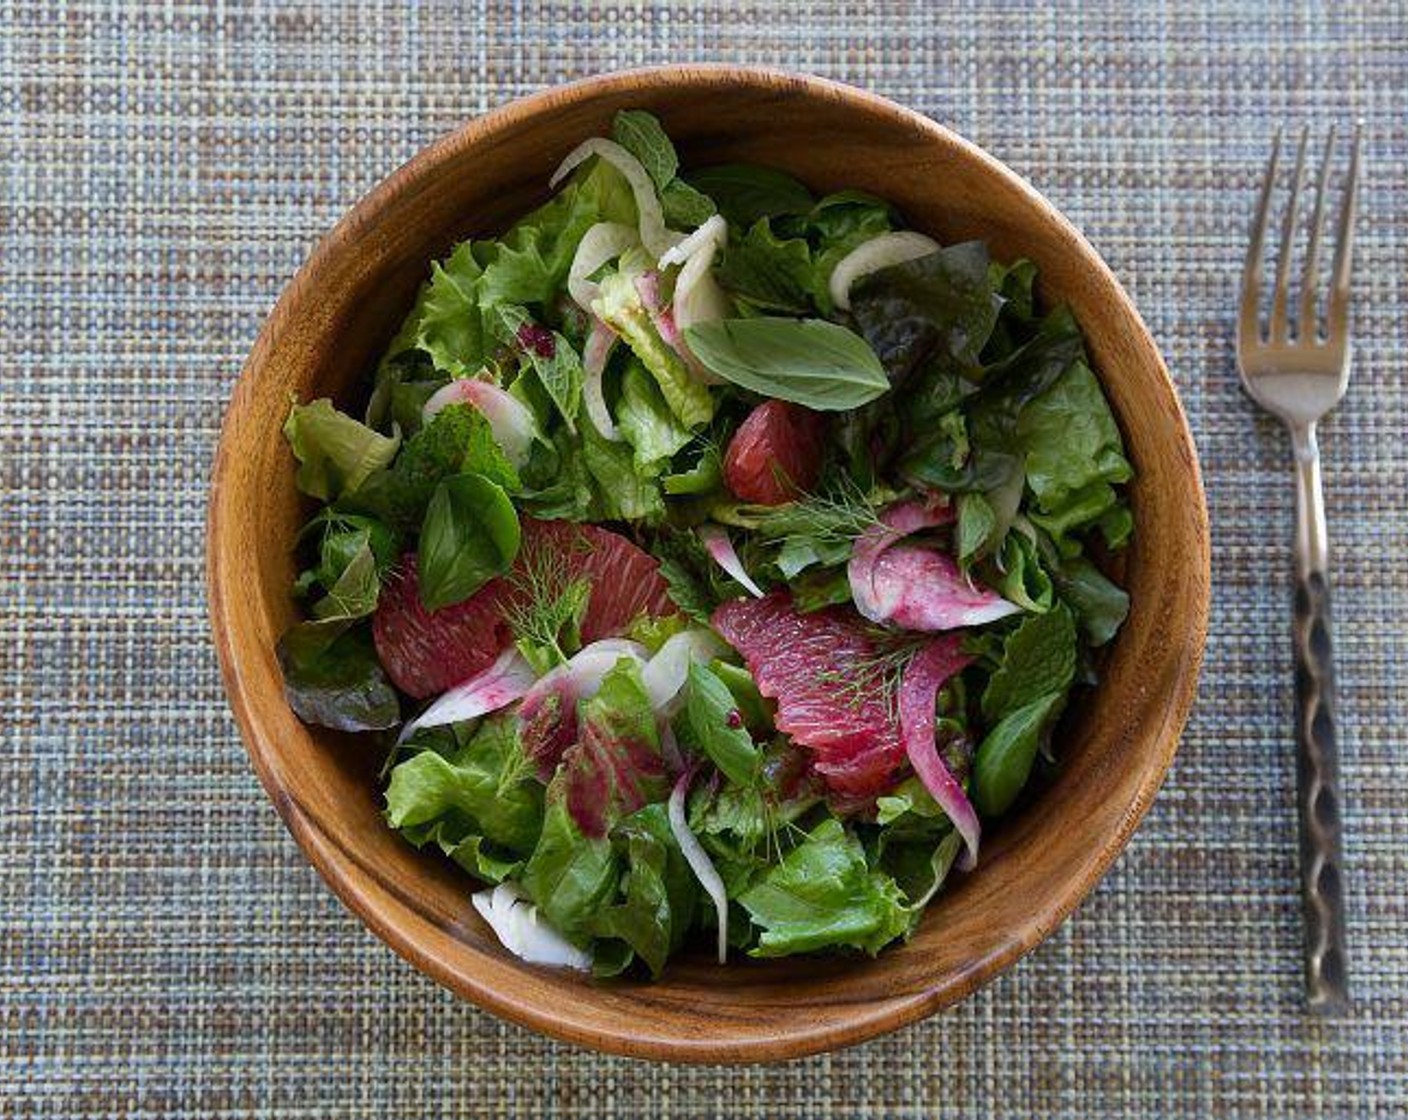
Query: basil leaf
[(807, 361), (640, 134), (470, 535), (1004, 759), (716, 726), (1100, 605), (332, 677), (745, 192)]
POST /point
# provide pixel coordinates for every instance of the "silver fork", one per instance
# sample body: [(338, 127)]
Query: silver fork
[(1298, 371)]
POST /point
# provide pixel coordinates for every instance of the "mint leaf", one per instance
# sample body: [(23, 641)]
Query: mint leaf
[(1039, 657), (1004, 759), (640, 134), (716, 726), (811, 362), (684, 207), (824, 894), (470, 534), (335, 453), (745, 192)]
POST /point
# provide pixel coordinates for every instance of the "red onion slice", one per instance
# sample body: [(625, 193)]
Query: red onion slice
[(509, 418), (717, 544), (520, 929), (503, 682), (871, 256), (653, 234), (919, 690)]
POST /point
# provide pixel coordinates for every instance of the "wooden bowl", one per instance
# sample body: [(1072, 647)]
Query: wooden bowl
[(323, 339)]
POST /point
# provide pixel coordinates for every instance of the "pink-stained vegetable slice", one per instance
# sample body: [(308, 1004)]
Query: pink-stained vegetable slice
[(665, 673), (505, 681), (698, 297), (509, 418), (718, 545), (595, 354), (663, 318), (548, 714), (879, 252), (916, 588), (919, 689), (698, 860), (653, 234)]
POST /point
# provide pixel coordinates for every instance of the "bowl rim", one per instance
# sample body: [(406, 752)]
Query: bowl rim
[(867, 1022)]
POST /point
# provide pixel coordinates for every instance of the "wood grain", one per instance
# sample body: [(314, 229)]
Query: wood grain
[(323, 338)]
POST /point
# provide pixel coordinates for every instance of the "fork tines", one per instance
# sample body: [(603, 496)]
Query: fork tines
[(1304, 331)]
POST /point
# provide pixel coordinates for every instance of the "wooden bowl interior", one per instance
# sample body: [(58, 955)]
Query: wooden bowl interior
[(328, 331)]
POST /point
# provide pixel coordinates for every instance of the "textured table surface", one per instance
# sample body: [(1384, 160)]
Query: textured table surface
[(165, 949)]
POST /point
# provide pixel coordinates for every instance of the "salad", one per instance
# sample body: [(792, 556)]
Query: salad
[(712, 561)]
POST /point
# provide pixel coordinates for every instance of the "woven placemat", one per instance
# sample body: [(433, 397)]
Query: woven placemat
[(164, 947)]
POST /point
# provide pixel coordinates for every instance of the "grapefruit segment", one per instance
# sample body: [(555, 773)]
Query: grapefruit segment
[(776, 454), (427, 652)]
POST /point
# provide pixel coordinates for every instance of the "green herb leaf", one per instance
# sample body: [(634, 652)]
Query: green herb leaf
[(570, 876), (716, 727), (1020, 576), (976, 524), (640, 134), (336, 453), (745, 192), (684, 207), (470, 535), (1004, 759), (1039, 657), (332, 677), (824, 894), (1100, 606), (808, 361), (356, 590)]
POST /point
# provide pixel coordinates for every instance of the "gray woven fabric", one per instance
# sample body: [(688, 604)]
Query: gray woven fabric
[(165, 949)]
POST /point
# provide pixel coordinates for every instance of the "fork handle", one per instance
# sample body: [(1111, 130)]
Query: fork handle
[(1326, 961)]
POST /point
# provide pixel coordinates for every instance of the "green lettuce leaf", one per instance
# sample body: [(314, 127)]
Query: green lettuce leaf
[(657, 897), (1073, 451), (335, 453), (620, 307), (489, 783), (770, 273), (646, 421), (936, 308), (623, 492), (446, 322), (570, 876), (824, 894)]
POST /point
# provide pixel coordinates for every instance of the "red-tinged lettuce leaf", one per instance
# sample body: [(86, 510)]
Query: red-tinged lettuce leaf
[(937, 307), (615, 766), (332, 677)]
